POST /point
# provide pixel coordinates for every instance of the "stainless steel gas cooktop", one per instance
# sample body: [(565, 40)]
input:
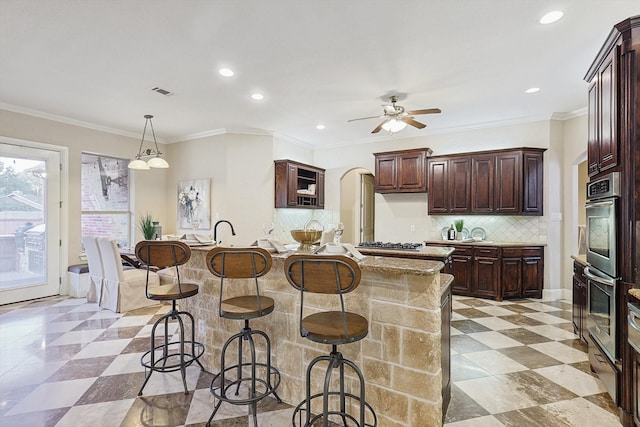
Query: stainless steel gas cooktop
[(391, 246)]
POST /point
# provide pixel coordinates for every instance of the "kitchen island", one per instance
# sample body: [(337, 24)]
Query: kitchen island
[(402, 357)]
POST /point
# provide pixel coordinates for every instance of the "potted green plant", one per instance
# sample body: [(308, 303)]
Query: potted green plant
[(146, 226), (459, 224)]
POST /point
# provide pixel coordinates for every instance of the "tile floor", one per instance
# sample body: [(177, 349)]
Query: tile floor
[(64, 362)]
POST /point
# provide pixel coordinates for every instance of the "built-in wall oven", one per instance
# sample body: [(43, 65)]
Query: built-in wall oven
[(602, 277)]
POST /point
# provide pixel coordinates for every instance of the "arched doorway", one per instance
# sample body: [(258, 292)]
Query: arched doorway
[(357, 205)]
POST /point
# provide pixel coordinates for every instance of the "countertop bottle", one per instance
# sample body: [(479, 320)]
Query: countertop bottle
[(451, 235)]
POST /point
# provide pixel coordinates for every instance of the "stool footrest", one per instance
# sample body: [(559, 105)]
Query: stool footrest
[(301, 409), (269, 386), (172, 361)]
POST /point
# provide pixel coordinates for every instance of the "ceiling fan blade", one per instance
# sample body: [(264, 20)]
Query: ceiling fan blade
[(365, 118), (377, 129), (410, 121), (426, 111)]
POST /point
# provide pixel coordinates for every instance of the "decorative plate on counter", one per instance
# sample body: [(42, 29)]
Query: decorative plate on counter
[(478, 233), (444, 233), (465, 233)]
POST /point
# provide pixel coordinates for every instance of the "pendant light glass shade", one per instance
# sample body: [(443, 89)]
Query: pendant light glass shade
[(394, 125), (155, 161)]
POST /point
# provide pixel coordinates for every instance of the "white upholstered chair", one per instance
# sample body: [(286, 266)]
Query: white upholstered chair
[(96, 272), (122, 290)]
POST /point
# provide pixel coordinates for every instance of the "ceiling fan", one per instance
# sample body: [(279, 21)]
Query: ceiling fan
[(395, 118)]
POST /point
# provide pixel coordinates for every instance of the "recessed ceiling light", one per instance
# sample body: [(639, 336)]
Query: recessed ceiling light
[(320, 127), (257, 96), (532, 90), (227, 72), (551, 17)]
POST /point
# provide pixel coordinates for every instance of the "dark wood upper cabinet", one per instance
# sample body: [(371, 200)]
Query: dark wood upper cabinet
[(298, 185), (483, 172), (402, 171), (506, 182), (438, 186), (603, 115)]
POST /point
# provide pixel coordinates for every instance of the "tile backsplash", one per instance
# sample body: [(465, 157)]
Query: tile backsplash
[(497, 228), (285, 220)]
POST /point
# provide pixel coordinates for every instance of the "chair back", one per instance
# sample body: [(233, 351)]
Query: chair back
[(163, 253), (94, 259), (322, 274), (111, 261), (239, 263)]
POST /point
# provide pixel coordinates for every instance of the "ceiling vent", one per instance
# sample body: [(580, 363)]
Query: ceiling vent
[(162, 91)]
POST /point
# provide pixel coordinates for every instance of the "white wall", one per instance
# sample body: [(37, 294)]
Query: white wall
[(575, 147)]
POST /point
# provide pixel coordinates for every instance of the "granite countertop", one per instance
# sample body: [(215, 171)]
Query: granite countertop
[(483, 243), (635, 292), (382, 264), (580, 259)]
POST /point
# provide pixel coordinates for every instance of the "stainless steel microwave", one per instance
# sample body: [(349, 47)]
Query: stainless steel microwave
[(602, 223)]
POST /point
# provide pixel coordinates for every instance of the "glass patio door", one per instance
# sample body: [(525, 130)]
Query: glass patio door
[(29, 223)]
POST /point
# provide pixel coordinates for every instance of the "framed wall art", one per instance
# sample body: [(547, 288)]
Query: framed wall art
[(194, 204)]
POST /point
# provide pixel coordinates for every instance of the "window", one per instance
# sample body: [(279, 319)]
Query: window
[(105, 198)]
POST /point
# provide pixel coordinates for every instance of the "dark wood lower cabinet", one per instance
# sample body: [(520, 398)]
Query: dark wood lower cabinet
[(461, 269), (497, 272), (579, 300), (486, 273)]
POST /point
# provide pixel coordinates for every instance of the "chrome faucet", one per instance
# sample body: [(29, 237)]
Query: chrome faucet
[(215, 230)]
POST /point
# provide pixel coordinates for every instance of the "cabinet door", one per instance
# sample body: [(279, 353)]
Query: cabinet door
[(438, 186), (386, 173), (508, 183), (486, 273), (460, 185), (576, 309), (320, 189), (607, 113), (593, 149), (411, 172), (482, 181), (292, 185), (583, 311), (511, 276), (462, 271), (532, 276), (532, 174)]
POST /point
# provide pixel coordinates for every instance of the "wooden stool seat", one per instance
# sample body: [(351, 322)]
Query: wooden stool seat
[(247, 307), (327, 327), (172, 292)]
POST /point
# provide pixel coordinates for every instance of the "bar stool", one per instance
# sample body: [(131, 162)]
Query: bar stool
[(169, 356), (243, 263), (330, 274)]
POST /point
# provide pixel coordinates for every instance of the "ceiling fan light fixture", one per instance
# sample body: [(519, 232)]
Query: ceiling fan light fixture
[(155, 160), (394, 125)]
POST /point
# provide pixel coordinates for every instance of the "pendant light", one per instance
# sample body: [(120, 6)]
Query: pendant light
[(155, 161)]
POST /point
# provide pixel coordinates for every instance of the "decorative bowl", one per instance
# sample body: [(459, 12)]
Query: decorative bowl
[(306, 238)]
